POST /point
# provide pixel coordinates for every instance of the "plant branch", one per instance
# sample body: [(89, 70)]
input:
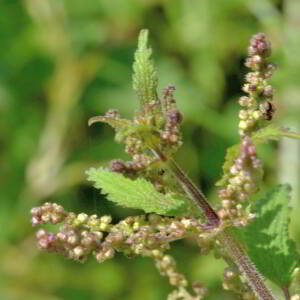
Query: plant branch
[(286, 293), (238, 255), (233, 248)]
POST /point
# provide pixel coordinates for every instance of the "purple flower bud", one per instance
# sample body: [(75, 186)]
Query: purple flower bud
[(43, 243), (55, 219), (118, 166), (252, 150), (260, 45), (51, 237), (252, 87), (35, 221), (256, 59), (112, 113), (35, 211), (41, 233), (268, 91), (244, 101), (174, 116)]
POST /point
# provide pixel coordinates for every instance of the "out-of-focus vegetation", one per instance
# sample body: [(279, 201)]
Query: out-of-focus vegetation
[(63, 61)]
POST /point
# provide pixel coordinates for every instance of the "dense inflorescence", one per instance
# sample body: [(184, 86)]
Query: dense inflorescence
[(155, 128), (257, 106), (161, 131), (171, 132), (81, 235), (244, 178), (245, 173), (133, 235)]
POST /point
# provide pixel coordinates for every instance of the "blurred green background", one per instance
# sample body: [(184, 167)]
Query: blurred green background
[(63, 61)]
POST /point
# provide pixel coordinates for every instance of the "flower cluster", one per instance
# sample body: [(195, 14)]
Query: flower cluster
[(81, 235), (245, 172), (160, 129), (156, 127), (258, 104), (171, 133), (48, 213), (77, 237), (244, 178)]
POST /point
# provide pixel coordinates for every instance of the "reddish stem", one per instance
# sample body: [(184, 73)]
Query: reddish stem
[(232, 246)]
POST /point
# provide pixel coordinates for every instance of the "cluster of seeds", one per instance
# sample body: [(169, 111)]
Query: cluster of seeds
[(138, 235), (74, 244), (77, 237), (155, 127), (258, 104), (244, 177), (48, 213), (165, 125), (173, 118), (81, 235), (245, 173), (130, 168)]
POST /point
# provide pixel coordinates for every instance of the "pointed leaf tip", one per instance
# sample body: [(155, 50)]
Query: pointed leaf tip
[(145, 79)]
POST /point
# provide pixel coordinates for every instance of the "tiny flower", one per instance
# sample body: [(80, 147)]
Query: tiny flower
[(244, 101), (243, 114), (268, 91)]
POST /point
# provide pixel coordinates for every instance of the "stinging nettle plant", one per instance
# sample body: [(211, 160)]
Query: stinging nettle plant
[(251, 237)]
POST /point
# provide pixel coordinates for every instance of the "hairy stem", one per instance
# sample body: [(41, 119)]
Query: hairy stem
[(233, 248), (191, 190), (286, 293), (194, 193), (237, 253)]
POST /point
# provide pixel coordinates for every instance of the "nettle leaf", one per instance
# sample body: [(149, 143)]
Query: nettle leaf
[(272, 132), (116, 123), (139, 193), (121, 126), (231, 155), (267, 238), (145, 79)]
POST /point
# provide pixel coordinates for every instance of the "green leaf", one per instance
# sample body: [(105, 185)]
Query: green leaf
[(145, 79), (267, 238), (116, 123), (139, 193), (123, 127), (272, 132), (231, 155)]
